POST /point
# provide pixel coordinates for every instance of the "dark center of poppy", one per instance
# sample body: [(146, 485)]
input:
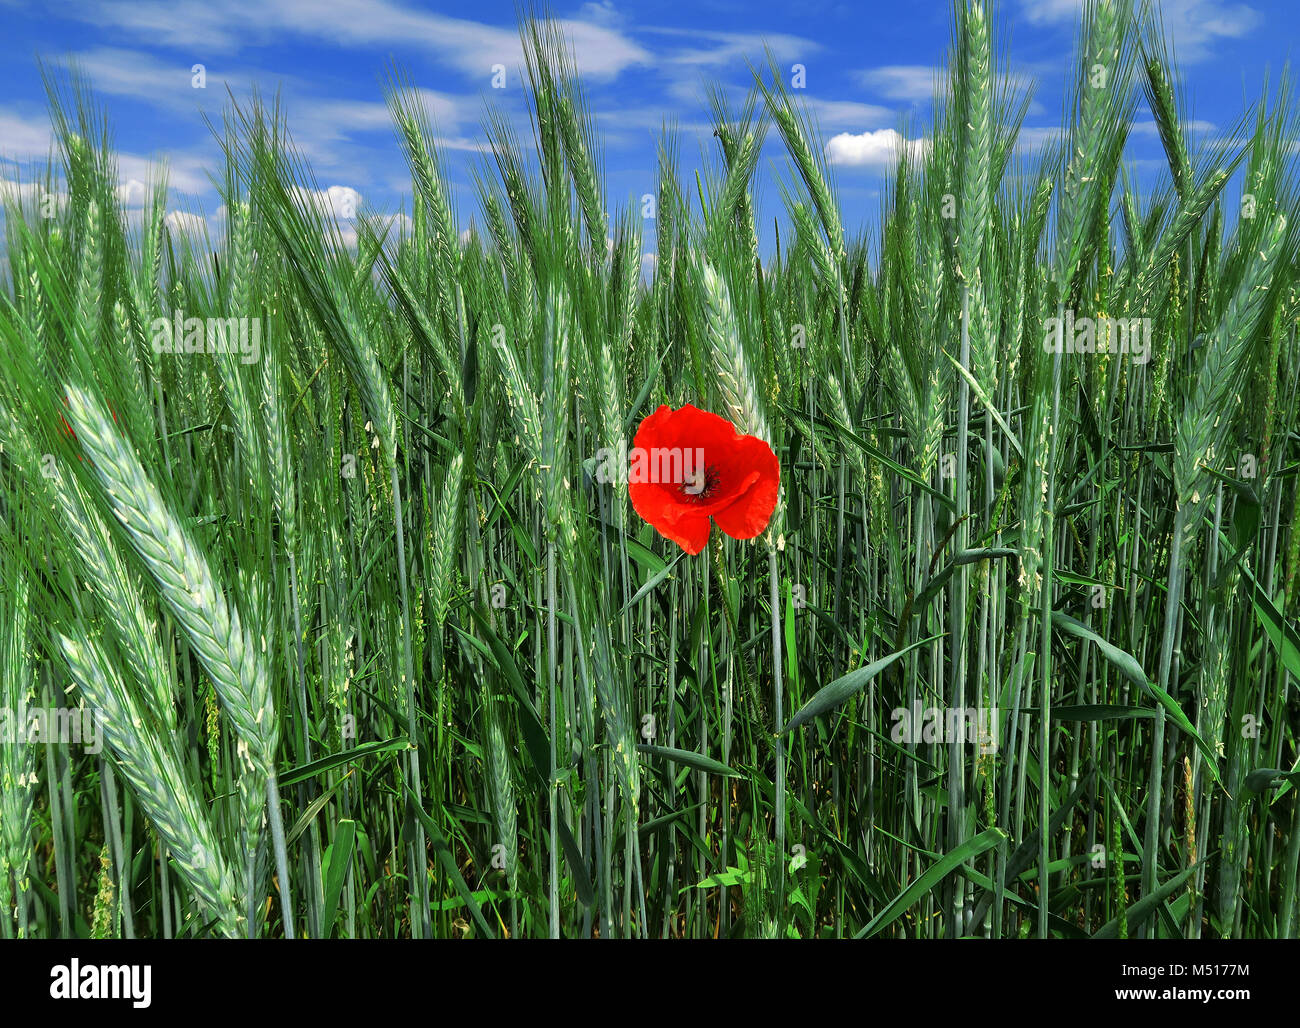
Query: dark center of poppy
[(699, 484)]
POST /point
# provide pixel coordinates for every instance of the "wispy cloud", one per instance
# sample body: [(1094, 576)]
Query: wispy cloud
[(319, 124), (599, 50), (918, 83), (727, 48), (322, 128), (1192, 26), (1033, 138), (1149, 128), (120, 71), (166, 85), (832, 114), (910, 82)]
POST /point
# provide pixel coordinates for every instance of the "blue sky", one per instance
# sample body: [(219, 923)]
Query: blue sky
[(869, 69)]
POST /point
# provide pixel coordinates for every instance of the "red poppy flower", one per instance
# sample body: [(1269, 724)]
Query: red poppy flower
[(689, 465)]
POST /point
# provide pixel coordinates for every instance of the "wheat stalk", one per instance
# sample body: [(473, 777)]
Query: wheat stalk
[(740, 398), (154, 771), (18, 779), (185, 581)]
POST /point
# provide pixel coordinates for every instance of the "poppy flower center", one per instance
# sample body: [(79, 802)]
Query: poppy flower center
[(699, 484)]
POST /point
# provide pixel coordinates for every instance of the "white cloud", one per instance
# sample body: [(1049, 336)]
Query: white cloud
[(19, 192), (185, 171), (23, 138), (339, 202), (1191, 25), (600, 52), (872, 149), (132, 193), (30, 195), (186, 223), (29, 140), (396, 224)]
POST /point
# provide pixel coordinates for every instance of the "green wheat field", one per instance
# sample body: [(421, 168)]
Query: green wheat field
[(318, 620)]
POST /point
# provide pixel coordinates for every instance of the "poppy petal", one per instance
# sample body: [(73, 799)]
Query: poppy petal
[(653, 426), (690, 533), (648, 500), (743, 477), (749, 515)]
